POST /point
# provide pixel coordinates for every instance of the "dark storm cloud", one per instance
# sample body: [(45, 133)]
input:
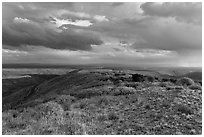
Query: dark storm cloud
[(119, 29), (188, 12), (164, 43), (29, 34), (158, 34), (155, 33), (40, 31)]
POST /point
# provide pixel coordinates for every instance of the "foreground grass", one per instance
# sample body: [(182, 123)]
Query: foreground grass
[(128, 109)]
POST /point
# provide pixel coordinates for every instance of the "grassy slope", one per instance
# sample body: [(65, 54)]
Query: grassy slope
[(82, 103), (194, 75)]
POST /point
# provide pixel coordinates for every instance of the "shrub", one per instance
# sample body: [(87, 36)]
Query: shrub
[(87, 93), (165, 84), (117, 82), (81, 104), (12, 121), (51, 111), (195, 87), (47, 118), (172, 80), (123, 90), (71, 128), (113, 116), (117, 74), (138, 78), (64, 98), (102, 101), (178, 87), (133, 84), (46, 132), (200, 83), (13, 113), (19, 124), (147, 106), (175, 89), (31, 114), (166, 104), (6, 106), (154, 115), (162, 84), (150, 78), (16, 125), (65, 101), (184, 109), (156, 78), (102, 118), (165, 80), (170, 88), (185, 81)]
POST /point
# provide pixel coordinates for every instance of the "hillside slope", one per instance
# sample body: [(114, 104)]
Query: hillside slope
[(105, 102), (194, 75)]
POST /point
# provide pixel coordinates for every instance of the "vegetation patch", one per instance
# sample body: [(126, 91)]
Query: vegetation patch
[(104, 103), (195, 87), (185, 81), (184, 109)]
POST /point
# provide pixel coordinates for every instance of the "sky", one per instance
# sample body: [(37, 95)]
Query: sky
[(132, 33)]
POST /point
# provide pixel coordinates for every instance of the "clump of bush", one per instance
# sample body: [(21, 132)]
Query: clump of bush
[(154, 116), (118, 82), (12, 113), (178, 87), (200, 83), (172, 80), (8, 119), (170, 88), (165, 80), (175, 89), (166, 104), (123, 90), (102, 118), (51, 111), (184, 109), (149, 78), (165, 84), (15, 122), (65, 101), (113, 116), (185, 81), (70, 128), (40, 119), (103, 101), (195, 87), (138, 78), (147, 106), (88, 93), (82, 104), (133, 84)]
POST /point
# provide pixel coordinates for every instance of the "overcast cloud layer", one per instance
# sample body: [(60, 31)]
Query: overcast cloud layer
[(154, 34)]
